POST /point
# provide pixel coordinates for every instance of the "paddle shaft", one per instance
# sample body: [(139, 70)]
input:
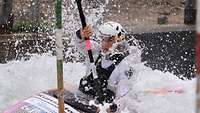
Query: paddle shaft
[(97, 83)]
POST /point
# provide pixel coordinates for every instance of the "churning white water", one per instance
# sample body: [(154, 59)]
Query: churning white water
[(20, 79)]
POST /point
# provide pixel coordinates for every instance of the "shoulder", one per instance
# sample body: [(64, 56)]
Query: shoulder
[(124, 68)]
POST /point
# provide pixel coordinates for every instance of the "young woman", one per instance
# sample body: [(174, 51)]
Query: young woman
[(113, 82)]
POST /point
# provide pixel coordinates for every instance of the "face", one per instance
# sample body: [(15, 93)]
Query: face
[(107, 43)]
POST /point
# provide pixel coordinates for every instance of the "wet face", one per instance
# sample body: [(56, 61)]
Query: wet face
[(107, 43)]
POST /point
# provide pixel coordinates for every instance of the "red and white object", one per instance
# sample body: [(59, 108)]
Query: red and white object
[(165, 90), (39, 103)]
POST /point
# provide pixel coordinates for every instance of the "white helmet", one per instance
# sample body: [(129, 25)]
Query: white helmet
[(111, 29)]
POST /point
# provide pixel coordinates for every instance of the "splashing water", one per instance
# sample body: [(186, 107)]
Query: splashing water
[(21, 79), (71, 22)]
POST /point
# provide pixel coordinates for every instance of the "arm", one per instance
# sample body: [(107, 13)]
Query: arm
[(80, 42), (122, 91), (121, 84)]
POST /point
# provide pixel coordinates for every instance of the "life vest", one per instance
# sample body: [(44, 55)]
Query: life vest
[(87, 83)]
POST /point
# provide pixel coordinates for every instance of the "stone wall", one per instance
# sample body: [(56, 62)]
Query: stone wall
[(5, 7), (21, 46), (169, 49), (34, 10), (1, 7), (136, 13)]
